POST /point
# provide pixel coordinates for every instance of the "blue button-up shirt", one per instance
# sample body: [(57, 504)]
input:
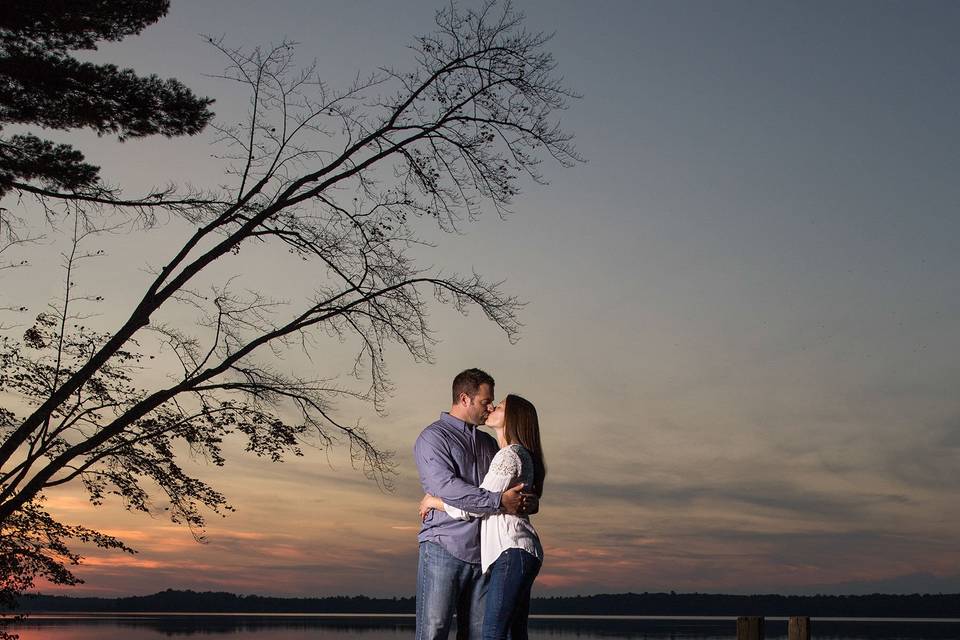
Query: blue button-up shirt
[(452, 458)]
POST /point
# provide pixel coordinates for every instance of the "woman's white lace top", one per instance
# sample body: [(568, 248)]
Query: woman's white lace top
[(502, 531)]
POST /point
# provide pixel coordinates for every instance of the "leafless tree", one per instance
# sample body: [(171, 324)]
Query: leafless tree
[(341, 179)]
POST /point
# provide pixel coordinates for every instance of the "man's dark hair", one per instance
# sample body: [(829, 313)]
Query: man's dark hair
[(469, 382)]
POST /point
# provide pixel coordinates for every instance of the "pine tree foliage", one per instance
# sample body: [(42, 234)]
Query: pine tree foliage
[(43, 85)]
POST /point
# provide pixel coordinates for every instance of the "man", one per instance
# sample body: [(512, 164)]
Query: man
[(452, 456)]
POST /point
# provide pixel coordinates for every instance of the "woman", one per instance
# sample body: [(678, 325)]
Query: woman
[(509, 546)]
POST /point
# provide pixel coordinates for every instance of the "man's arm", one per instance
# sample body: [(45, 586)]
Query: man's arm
[(511, 501), (439, 478)]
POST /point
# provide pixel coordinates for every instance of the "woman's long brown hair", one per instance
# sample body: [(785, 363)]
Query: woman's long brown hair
[(523, 428)]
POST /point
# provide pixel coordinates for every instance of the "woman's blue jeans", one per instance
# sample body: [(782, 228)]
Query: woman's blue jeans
[(508, 595)]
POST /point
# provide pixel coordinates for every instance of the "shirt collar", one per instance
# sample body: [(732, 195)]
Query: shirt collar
[(452, 421)]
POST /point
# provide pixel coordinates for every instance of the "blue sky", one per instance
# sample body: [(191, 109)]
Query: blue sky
[(741, 321)]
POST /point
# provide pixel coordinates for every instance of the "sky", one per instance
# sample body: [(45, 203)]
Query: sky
[(740, 330)]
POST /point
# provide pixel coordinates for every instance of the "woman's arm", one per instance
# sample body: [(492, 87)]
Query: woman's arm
[(429, 502)]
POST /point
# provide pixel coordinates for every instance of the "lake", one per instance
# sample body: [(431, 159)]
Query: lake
[(311, 627)]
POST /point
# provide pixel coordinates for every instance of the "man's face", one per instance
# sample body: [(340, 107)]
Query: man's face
[(480, 405)]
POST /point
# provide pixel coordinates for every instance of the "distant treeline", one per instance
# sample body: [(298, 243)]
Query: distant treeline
[(635, 604), (219, 602), (709, 604)]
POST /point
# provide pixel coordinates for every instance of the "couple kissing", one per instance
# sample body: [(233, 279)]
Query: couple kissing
[(479, 554)]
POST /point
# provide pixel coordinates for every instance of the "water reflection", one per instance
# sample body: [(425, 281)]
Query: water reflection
[(291, 627), (229, 627)]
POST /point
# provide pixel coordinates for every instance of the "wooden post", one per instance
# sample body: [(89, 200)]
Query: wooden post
[(750, 628), (799, 628)]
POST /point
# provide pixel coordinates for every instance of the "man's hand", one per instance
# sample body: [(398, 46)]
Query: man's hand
[(530, 504), (515, 502), (511, 500)]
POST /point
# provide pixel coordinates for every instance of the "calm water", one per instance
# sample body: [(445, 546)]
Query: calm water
[(291, 627)]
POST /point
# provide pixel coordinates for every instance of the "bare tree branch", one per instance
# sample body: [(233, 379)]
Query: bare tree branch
[(341, 181)]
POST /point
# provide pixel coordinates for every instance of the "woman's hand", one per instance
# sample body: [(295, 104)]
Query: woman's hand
[(427, 503)]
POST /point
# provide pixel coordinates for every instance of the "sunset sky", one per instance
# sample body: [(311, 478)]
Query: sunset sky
[(742, 321)]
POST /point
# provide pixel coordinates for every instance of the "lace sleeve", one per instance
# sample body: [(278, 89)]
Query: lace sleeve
[(504, 470), (525, 472)]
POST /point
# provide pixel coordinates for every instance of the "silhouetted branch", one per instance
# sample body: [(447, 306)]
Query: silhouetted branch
[(340, 180)]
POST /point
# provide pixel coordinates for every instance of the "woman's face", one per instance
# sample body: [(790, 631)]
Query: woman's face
[(495, 419)]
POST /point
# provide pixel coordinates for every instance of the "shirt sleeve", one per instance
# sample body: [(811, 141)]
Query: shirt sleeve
[(459, 514), (504, 469), (439, 477)]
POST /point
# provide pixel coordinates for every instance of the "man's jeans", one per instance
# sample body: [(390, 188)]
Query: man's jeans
[(508, 595), (446, 584)]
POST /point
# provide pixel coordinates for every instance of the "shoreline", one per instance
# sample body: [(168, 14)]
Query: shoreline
[(132, 615)]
